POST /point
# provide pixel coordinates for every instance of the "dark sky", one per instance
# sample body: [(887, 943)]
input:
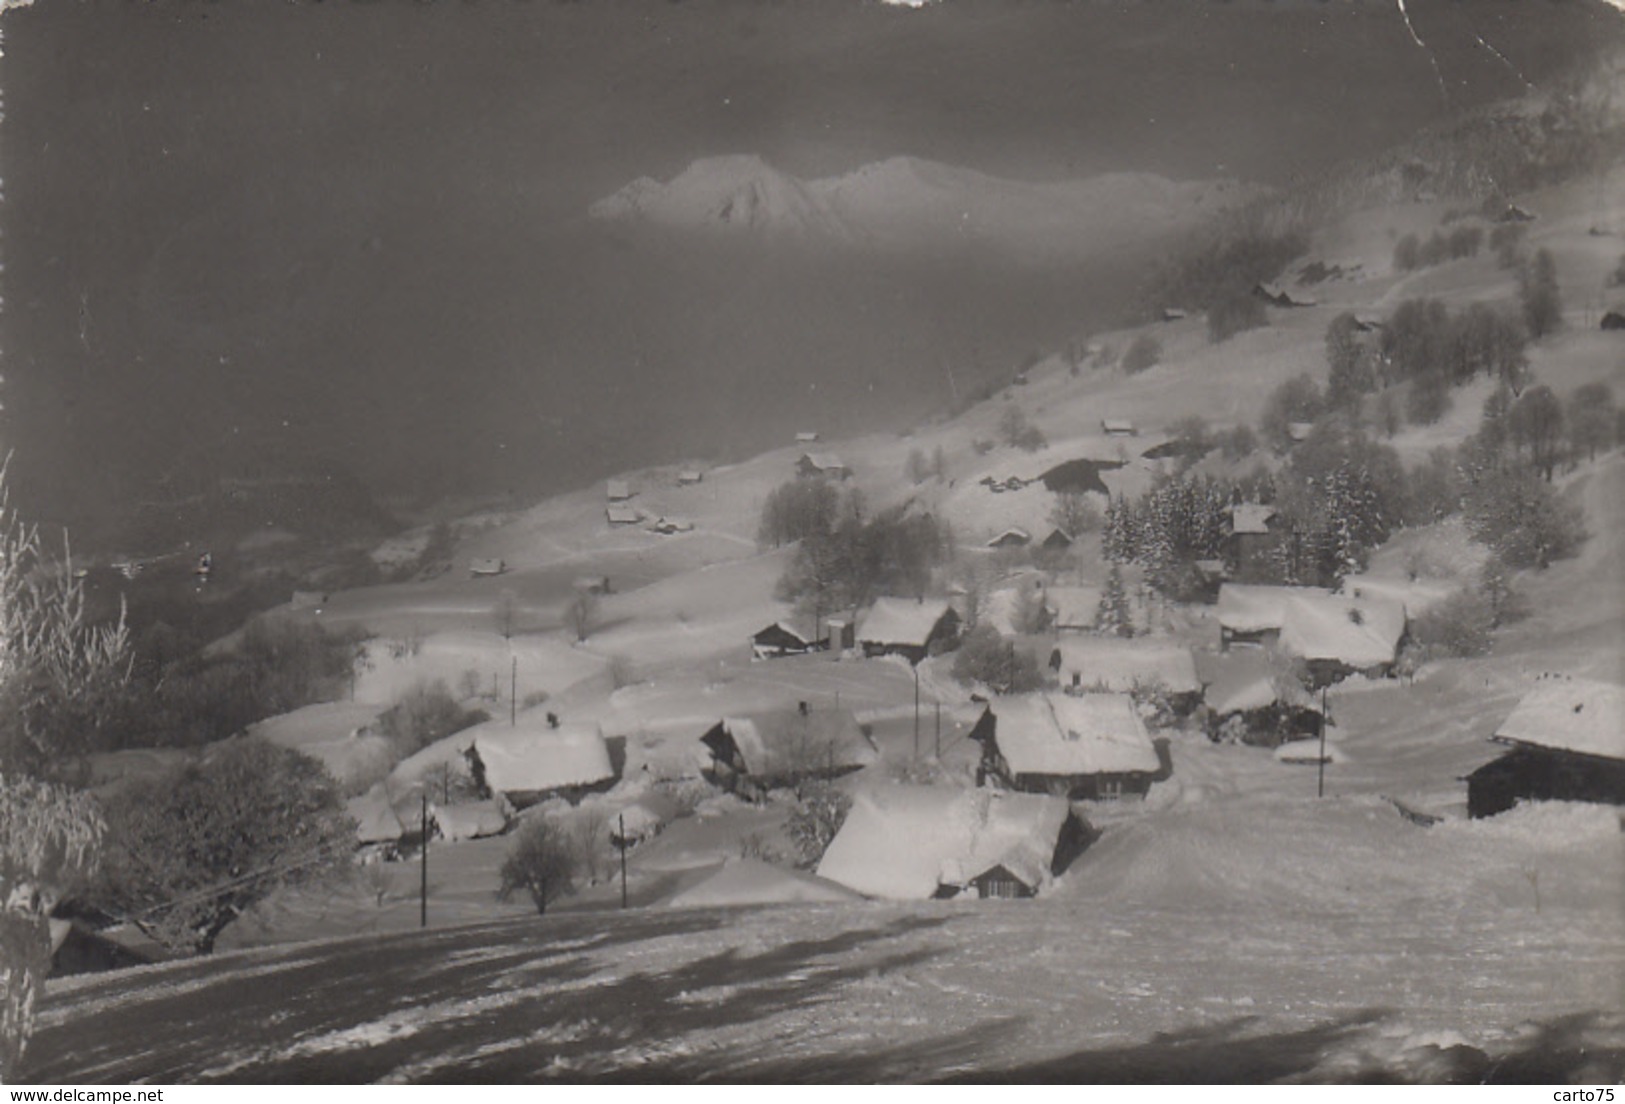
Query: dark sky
[(364, 218)]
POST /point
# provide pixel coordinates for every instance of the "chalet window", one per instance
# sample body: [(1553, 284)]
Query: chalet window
[(1110, 789), (1005, 888)]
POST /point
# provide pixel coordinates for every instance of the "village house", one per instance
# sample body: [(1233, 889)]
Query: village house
[(689, 477), (1336, 634), (779, 640), (1567, 737), (1058, 540), (754, 752), (1252, 534), (1613, 320), (467, 820), (1089, 746), (914, 843), (824, 465), (1118, 427), (536, 757), (618, 490), (806, 437), (622, 514), (379, 832), (907, 627), (1250, 701), (1173, 314), (1119, 666), (486, 566)]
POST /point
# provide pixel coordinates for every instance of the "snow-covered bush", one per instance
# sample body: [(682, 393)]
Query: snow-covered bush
[(815, 820)]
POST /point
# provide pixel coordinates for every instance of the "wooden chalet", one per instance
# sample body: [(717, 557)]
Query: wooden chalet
[(535, 758), (1567, 740), (906, 627), (1252, 534), (909, 842), (1089, 746), (754, 752), (1116, 665), (779, 640), (1336, 634), (825, 465)]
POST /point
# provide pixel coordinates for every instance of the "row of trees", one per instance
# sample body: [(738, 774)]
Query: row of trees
[(845, 558), (1411, 253)]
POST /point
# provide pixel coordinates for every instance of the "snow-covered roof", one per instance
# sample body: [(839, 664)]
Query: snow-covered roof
[(1117, 425), (1308, 751), (1570, 714), (1075, 606), (622, 515), (1359, 628), (779, 630), (316, 724), (788, 741), (374, 816), (618, 490), (901, 621), (1239, 682), (1117, 664), (690, 475), (531, 756), (1250, 517), (806, 437), (1072, 735), (754, 882), (1013, 535), (823, 461), (469, 819), (1359, 631), (902, 842)]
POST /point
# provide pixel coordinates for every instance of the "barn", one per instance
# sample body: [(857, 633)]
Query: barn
[(1567, 737), (777, 641), (909, 842), (899, 626), (1089, 746)]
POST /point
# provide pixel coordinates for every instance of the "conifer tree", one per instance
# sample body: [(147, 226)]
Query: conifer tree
[(1113, 617)]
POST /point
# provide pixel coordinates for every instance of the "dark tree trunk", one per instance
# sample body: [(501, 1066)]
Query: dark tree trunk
[(25, 959)]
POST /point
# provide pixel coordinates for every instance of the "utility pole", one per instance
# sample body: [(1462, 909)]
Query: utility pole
[(423, 866), (513, 694), (939, 730), (1320, 782), (916, 712), (621, 819)]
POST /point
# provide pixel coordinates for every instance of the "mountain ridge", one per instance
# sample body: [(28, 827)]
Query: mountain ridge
[(910, 204)]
